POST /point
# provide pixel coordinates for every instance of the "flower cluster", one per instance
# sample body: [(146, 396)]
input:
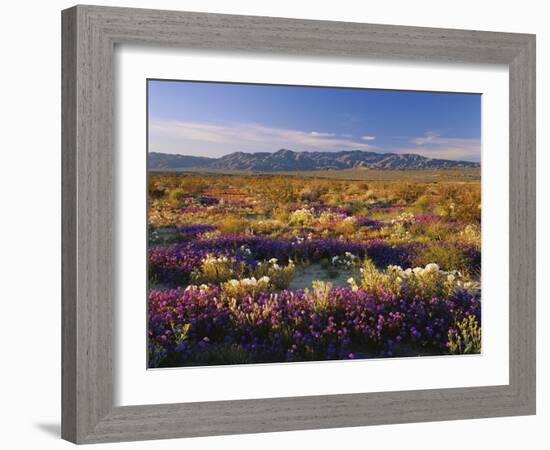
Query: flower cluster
[(325, 323), (239, 288), (246, 269), (347, 261), (403, 218), (365, 221), (175, 263), (429, 280), (217, 269), (195, 229), (302, 216)]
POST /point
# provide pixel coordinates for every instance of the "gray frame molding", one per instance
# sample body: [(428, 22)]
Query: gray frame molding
[(89, 37)]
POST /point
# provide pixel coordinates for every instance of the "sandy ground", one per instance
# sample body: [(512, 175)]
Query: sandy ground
[(306, 274)]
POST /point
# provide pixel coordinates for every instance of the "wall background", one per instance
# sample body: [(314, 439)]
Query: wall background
[(31, 208)]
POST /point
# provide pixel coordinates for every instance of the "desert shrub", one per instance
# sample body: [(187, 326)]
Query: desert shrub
[(370, 195), (232, 224), (176, 195), (424, 203), (309, 194), (460, 202), (409, 192), (468, 206), (279, 276), (302, 217), (278, 190), (448, 191), (347, 226), (319, 296), (405, 218), (265, 226), (362, 187), (399, 232), (436, 231), (239, 288), (448, 257), (373, 281), (400, 227), (357, 207), (353, 189), (424, 282), (336, 199), (281, 214), (217, 270), (156, 190), (156, 354), (193, 185), (471, 234), (465, 337)]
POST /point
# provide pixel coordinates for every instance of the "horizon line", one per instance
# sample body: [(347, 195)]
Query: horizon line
[(317, 151)]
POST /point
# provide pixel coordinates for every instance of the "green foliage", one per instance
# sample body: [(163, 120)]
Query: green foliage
[(373, 281), (426, 282), (279, 276), (302, 217), (238, 288), (448, 257), (217, 270), (408, 193), (156, 355), (315, 217), (346, 227), (176, 195), (424, 203), (232, 224), (437, 231), (465, 337), (193, 185), (319, 296)]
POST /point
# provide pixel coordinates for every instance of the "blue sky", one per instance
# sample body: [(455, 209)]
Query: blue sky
[(214, 119)]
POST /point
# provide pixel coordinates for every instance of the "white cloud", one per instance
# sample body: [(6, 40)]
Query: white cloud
[(209, 139), (428, 138), (321, 134), (433, 145), (368, 138)]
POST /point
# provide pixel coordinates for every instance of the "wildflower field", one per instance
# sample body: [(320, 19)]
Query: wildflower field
[(255, 268)]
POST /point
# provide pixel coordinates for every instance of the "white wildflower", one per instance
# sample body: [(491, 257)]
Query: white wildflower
[(432, 267)]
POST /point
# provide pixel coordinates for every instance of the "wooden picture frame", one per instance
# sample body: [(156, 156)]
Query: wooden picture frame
[(90, 34)]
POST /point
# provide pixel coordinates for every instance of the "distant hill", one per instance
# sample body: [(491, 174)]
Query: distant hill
[(287, 160), (158, 161)]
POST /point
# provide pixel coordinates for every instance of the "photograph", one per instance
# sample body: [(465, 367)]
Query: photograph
[(288, 224), (262, 225)]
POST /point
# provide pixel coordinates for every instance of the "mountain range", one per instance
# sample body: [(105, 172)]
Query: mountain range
[(287, 160)]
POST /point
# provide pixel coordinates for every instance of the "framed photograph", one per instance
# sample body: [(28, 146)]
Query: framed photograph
[(277, 224)]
